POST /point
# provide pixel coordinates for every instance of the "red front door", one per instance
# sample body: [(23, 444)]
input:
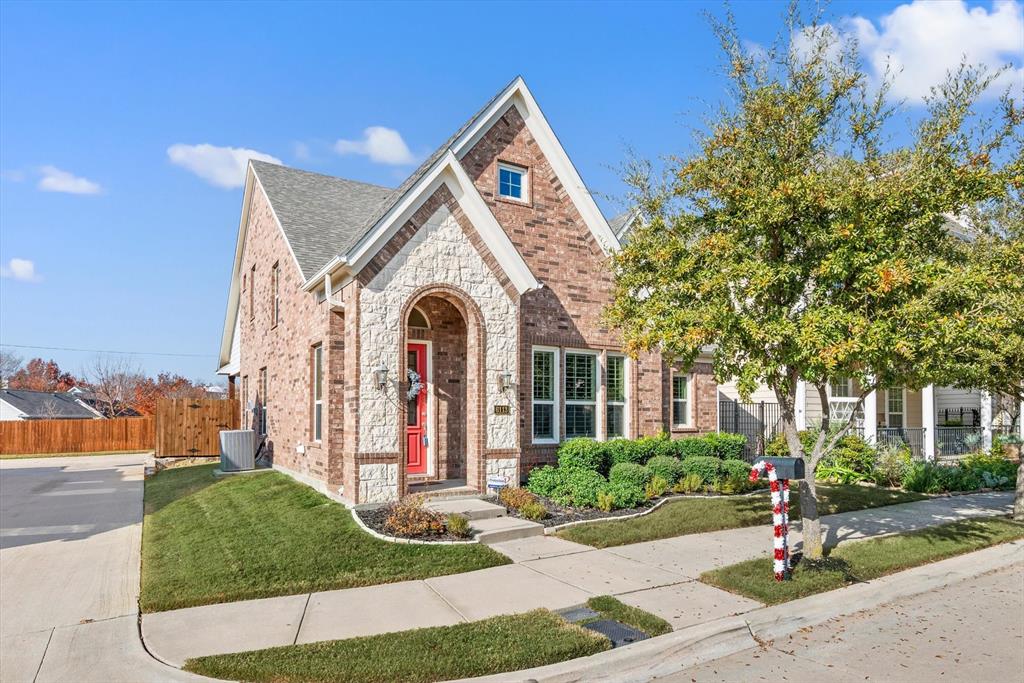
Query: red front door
[(416, 417)]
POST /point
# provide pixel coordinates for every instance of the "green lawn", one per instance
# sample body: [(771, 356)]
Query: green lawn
[(863, 560), (610, 608), (208, 540), (699, 515), (507, 643)]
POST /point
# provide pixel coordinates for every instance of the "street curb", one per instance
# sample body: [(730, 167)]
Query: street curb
[(673, 652)]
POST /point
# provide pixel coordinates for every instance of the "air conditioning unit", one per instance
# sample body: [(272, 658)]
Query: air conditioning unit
[(237, 450)]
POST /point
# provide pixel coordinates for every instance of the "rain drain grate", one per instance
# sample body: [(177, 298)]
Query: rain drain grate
[(618, 633)]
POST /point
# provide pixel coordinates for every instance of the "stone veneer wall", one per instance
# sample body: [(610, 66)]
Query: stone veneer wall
[(286, 351)]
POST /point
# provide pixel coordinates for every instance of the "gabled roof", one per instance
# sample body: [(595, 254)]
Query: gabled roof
[(46, 404), (321, 215)]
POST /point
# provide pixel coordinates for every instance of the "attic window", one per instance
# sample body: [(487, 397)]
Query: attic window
[(512, 182)]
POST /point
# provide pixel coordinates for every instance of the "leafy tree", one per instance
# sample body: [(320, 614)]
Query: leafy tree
[(42, 375), (805, 246)]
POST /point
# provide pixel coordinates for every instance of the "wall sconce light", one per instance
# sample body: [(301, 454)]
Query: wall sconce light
[(505, 382), (380, 376)]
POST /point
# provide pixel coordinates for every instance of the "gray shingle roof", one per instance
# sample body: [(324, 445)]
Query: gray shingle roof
[(322, 216), (45, 404), (618, 224)]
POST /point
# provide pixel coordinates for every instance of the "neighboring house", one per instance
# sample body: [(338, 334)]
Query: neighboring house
[(933, 422), (448, 330), (217, 392), (19, 404), (103, 407)]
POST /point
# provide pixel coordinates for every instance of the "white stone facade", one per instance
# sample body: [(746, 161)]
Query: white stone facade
[(504, 467), (438, 253), (378, 483)]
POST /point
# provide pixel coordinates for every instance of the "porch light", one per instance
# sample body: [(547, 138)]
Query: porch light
[(380, 376), (505, 382)]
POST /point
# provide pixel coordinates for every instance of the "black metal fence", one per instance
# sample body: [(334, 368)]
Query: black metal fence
[(959, 417), (953, 442), (758, 422), (913, 438)]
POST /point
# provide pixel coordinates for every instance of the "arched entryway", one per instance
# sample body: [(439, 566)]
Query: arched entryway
[(441, 418)]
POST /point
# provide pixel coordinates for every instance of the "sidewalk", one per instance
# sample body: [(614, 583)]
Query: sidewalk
[(659, 576)]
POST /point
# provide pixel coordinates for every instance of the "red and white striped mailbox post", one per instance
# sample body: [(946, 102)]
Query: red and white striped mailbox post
[(779, 471)]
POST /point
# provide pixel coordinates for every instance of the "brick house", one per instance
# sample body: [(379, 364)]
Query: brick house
[(443, 332)]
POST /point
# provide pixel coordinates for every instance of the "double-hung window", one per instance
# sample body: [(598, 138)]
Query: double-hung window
[(261, 399), (615, 400), (841, 399), (580, 394), (318, 391), (680, 400), (894, 407), (545, 395), (512, 182), (275, 295)]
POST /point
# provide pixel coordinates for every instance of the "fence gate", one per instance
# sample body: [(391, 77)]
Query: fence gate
[(753, 420), (190, 427)]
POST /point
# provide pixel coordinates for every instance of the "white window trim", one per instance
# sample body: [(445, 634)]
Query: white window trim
[(598, 413), (625, 395), (524, 184), (318, 370), (556, 379), (857, 421), (903, 414), (689, 400)]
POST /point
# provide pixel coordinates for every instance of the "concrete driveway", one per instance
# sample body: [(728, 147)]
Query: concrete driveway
[(70, 538)]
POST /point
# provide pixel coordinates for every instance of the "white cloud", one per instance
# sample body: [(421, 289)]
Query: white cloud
[(20, 269), (220, 166), (55, 180), (923, 40), (382, 145)]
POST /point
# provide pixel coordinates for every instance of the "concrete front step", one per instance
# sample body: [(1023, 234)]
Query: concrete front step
[(471, 508), (500, 529)]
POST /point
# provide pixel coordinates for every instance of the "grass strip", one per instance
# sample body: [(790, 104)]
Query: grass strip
[(499, 644), (610, 608), (208, 540), (699, 515), (863, 560)]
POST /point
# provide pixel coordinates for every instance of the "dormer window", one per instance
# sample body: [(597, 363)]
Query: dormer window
[(512, 182)]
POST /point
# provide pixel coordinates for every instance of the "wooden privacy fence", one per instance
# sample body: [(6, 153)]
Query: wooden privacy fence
[(188, 427), (76, 436)]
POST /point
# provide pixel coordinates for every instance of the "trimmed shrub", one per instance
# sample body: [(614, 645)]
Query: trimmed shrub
[(515, 497), (689, 483), (666, 467), (625, 494), (630, 473), (544, 481), (534, 511), (735, 468), (726, 446), (638, 451), (621, 450), (583, 486), (693, 447), (655, 487), (457, 525), (706, 467), (605, 500), (583, 454), (408, 518)]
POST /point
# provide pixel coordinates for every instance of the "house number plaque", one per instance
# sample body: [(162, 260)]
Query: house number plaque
[(502, 410)]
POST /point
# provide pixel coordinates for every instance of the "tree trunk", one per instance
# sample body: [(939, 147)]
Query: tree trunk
[(1018, 501), (810, 523)]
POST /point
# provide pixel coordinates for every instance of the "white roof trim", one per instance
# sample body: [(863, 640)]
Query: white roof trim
[(448, 172)]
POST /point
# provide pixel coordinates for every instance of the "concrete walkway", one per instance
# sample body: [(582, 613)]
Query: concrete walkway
[(70, 534), (659, 576)]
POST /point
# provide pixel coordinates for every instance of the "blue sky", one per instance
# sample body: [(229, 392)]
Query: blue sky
[(117, 231)]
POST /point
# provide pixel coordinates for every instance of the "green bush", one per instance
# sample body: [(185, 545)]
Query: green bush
[(583, 454), (534, 511), (827, 471), (734, 484), (735, 468), (692, 447), (778, 448), (655, 487), (891, 465), (457, 525), (689, 483), (706, 467), (922, 477), (605, 500), (582, 486), (994, 464), (630, 473), (625, 493), (620, 450), (546, 481), (726, 446), (666, 467), (853, 453)]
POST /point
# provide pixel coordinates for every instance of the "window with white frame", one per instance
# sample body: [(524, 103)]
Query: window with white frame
[(680, 401), (318, 391), (545, 395), (615, 387), (580, 394), (841, 399), (894, 407), (512, 182)]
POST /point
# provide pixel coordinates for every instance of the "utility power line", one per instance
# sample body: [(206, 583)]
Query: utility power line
[(123, 353)]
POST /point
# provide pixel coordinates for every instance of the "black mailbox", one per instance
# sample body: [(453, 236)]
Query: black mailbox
[(786, 468)]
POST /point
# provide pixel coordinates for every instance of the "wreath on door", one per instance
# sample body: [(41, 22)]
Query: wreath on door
[(415, 385)]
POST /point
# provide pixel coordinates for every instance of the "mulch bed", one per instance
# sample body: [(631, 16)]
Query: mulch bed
[(374, 518)]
